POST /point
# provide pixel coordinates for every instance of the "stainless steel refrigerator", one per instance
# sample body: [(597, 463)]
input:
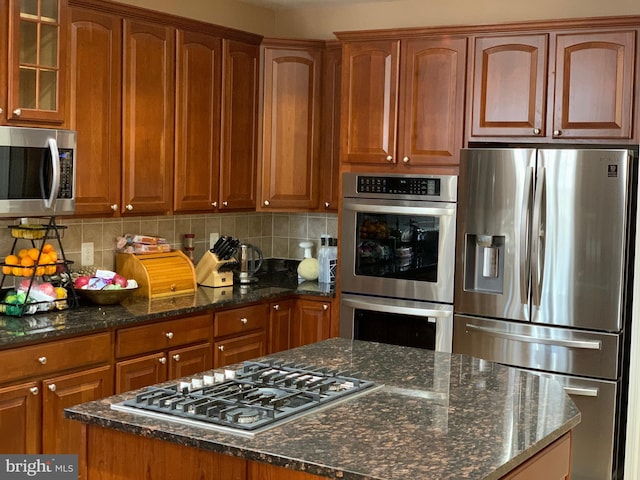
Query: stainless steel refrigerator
[(543, 280)]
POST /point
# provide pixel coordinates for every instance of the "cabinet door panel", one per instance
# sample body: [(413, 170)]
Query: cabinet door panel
[(61, 435), (594, 85), (95, 100), (148, 92), (369, 101), (509, 86), (189, 360), (312, 322), (291, 117), (238, 161), (330, 130), (140, 372), (239, 349), (432, 101), (20, 419), (280, 322), (198, 73)]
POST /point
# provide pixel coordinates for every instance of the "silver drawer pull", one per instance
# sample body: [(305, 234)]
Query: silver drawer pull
[(169, 335), (34, 390), (243, 320), (325, 307), (221, 348), (52, 387), (583, 392), (276, 307), (176, 357), (586, 344), (42, 360), (162, 360)]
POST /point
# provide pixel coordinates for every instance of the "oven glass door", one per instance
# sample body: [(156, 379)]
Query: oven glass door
[(395, 329), (400, 249)]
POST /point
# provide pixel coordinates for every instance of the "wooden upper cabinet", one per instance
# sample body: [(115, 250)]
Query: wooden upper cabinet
[(37, 62), (95, 111), (329, 175), (238, 160), (509, 86), (292, 78), (594, 85), (431, 109), (369, 101), (148, 117), (198, 90)]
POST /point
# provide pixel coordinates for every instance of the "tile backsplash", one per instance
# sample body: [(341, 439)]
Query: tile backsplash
[(276, 234)]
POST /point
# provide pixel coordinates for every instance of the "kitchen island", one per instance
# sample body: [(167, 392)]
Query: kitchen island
[(436, 416)]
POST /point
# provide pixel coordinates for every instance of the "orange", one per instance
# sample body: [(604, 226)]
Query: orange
[(40, 271), (34, 253), (53, 256), (27, 261), (50, 269), (17, 271), (27, 271), (47, 247), (6, 270), (23, 253), (44, 259), (11, 260)]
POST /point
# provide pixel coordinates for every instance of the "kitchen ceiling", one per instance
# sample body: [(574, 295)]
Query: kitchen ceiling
[(286, 4)]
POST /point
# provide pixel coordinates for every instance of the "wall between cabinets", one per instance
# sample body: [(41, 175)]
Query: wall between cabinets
[(277, 234)]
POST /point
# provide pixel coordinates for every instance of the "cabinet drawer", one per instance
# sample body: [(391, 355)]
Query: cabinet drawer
[(240, 320), (162, 335), (55, 356)]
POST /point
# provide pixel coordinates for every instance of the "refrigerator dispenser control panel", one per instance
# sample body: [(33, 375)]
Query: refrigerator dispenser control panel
[(399, 186)]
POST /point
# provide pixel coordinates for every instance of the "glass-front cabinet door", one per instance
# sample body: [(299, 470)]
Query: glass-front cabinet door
[(36, 58)]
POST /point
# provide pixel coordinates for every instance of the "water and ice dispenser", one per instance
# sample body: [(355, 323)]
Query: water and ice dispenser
[(484, 263)]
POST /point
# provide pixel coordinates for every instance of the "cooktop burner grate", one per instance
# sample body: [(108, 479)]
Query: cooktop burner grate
[(246, 401)]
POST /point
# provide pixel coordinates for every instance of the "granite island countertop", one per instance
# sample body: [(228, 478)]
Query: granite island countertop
[(438, 416), (87, 318)]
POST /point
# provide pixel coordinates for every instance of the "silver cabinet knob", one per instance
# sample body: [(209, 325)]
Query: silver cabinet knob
[(266, 203), (176, 357), (557, 133), (169, 335), (389, 158), (214, 204), (129, 207), (162, 360), (52, 387), (325, 307), (276, 307), (225, 204), (42, 360), (1, 111), (536, 131), (114, 207), (243, 321), (327, 204), (221, 348), (17, 112), (405, 159), (34, 390)]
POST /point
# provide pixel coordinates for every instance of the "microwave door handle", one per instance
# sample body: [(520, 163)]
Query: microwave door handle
[(55, 180), (525, 217), (518, 337)]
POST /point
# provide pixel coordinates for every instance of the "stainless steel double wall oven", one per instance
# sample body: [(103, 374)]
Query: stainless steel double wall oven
[(397, 259)]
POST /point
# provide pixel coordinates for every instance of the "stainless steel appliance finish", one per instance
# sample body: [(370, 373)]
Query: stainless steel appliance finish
[(542, 269), (247, 401), (398, 236), (400, 322), (37, 172)]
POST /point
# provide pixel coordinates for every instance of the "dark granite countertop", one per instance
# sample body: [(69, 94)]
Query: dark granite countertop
[(438, 416), (87, 318)]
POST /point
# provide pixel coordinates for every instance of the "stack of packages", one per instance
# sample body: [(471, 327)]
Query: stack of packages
[(140, 244)]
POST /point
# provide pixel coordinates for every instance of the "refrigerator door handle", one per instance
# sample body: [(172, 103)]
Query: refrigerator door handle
[(584, 344), (524, 240), (583, 392), (536, 240)]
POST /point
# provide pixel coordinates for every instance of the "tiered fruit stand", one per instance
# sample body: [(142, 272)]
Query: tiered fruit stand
[(46, 265)]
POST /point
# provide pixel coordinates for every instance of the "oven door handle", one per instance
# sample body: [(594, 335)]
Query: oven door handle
[(379, 307), (518, 337), (401, 210)]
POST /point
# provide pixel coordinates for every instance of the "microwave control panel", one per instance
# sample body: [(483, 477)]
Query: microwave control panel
[(66, 173), (418, 186)]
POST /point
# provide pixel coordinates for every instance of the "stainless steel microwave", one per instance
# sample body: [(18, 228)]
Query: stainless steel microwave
[(37, 172)]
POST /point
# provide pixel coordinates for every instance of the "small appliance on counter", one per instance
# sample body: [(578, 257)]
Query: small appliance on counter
[(250, 262)]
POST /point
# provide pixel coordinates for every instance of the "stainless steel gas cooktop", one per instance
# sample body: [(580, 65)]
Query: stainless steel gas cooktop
[(258, 396)]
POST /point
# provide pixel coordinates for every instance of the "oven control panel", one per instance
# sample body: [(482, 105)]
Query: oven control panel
[(418, 186)]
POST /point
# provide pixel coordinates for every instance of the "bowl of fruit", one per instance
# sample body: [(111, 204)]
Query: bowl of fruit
[(104, 287)]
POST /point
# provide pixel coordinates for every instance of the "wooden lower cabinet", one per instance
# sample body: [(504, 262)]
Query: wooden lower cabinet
[(20, 418), (312, 322), (281, 317), (240, 348), (114, 455)]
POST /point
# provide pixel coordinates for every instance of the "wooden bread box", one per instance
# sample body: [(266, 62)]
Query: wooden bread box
[(158, 275)]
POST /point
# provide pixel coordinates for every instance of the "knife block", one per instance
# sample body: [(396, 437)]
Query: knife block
[(208, 274)]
